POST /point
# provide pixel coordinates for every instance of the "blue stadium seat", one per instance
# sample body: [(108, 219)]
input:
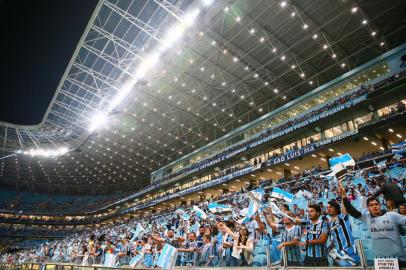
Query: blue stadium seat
[(404, 241), (369, 255), (367, 243)]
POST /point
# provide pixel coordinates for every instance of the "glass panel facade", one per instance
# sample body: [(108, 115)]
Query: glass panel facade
[(313, 102), (263, 157)]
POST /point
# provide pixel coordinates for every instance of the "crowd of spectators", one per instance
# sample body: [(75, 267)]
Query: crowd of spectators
[(26, 202), (313, 230)]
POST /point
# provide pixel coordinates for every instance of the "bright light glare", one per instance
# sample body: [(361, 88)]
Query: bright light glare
[(63, 150), (173, 35), (190, 18), (97, 121), (46, 152), (122, 94), (207, 2), (147, 64)]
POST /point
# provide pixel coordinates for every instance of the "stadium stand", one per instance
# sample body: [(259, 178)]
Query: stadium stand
[(87, 247), (26, 202)]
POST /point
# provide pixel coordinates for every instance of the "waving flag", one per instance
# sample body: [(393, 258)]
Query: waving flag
[(336, 163), (243, 212), (134, 261), (110, 260), (282, 194), (329, 176), (381, 165), (180, 211), (199, 212), (256, 195), (218, 208), (137, 231), (167, 258), (182, 214), (252, 209), (195, 227), (399, 148), (341, 172), (277, 211)]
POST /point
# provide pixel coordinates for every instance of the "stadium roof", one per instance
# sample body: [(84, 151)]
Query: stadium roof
[(153, 80)]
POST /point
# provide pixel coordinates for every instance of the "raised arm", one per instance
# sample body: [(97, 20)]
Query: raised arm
[(229, 231), (157, 238), (346, 206), (269, 218)]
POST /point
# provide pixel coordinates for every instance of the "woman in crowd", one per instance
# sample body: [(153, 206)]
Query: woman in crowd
[(242, 247)]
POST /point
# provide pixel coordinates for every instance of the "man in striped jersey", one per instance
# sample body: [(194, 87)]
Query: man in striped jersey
[(206, 252), (316, 238), (290, 237), (344, 252)]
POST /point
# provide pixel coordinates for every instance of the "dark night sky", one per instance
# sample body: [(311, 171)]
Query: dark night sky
[(38, 39)]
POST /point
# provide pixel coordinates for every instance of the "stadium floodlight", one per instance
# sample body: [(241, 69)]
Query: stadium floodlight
[(177, 31), (283, 4), (46, 152)]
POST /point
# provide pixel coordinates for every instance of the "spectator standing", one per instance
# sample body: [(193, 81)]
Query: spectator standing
[(384, 228), (243, 246), (290, 237), (206, 257), (344, 252), (316, 238)]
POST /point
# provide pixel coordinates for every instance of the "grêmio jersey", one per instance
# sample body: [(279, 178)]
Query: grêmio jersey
[(341, 235), (314, 231), (384, 229)]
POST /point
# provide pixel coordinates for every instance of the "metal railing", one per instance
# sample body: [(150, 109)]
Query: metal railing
[(193, 266)]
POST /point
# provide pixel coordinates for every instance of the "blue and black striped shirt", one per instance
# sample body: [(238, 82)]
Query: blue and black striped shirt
[(314, 231), (341, 234)]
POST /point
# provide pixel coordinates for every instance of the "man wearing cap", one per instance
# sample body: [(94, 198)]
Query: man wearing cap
[(340, 231)]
